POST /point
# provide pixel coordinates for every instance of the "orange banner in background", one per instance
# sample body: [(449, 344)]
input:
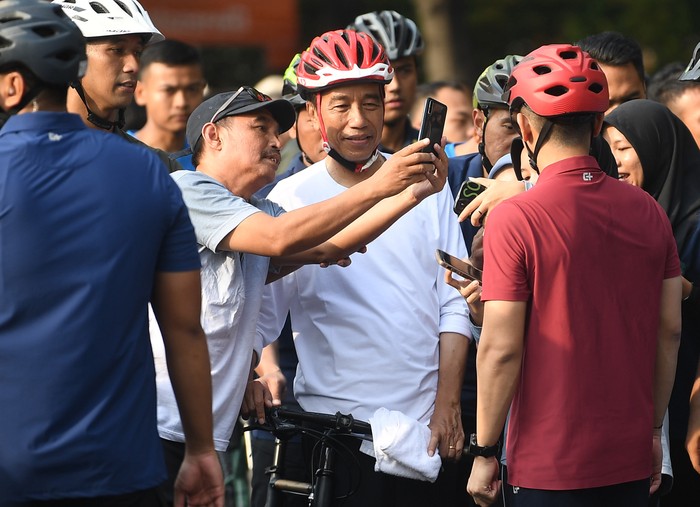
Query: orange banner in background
[(271, 24)]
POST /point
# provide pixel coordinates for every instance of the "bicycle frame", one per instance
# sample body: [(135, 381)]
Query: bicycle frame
[(320, 492)]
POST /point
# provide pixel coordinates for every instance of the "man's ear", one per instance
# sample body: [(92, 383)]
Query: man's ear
[(526, 131), (210, 136), (313, 113), (139, 94), (479, 120), (12, 89)]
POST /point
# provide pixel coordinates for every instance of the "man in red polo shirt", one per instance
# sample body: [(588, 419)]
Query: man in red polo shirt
[(582, 313)]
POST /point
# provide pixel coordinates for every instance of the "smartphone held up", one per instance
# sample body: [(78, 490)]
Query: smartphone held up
[(458, 266), (433, 123)]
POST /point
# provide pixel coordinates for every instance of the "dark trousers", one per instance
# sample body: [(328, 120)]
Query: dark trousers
[(174, 453), (629, 494), (145, 498), (358, 485)]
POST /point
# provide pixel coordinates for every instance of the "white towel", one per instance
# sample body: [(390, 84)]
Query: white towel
[(401, 446)]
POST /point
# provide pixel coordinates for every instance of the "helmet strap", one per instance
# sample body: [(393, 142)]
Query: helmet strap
[(482, 144), (541, 139), (93, 118)]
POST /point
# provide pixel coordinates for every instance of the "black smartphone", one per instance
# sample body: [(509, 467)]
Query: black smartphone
[(467, 192), (433, 123), (457, 265)]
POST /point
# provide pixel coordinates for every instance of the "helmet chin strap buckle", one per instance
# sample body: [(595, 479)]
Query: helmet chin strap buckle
[(357, 167)]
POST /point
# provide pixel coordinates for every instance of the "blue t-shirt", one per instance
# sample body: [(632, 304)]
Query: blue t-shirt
[(183, 157), (86, 220)]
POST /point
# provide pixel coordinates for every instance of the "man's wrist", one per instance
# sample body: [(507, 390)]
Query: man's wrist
[(484, 451)]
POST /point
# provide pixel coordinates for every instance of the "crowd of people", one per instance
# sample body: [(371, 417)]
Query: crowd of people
[(163, 280)]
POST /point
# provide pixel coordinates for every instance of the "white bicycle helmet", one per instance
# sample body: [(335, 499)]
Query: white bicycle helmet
[(107, 18), (398, 34)]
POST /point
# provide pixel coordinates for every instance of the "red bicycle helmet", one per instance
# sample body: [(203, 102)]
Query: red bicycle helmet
[(556, 80), (340, 56)]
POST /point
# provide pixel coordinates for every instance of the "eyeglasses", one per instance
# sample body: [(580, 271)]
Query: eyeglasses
[(255, 94)]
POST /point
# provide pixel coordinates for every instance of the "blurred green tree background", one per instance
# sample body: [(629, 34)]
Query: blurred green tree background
[(482, 31)]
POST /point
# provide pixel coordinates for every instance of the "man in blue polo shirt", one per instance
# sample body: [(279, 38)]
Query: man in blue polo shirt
[(85, 243)]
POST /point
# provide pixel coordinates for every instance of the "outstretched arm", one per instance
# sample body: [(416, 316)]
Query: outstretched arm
[(307, 227), (378, 219), (176, 305)]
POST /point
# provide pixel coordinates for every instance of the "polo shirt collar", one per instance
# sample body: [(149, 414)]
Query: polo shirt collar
[(573, 164), (42, 120)]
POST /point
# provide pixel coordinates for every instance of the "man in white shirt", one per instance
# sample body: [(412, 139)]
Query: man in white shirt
[(387, 331)]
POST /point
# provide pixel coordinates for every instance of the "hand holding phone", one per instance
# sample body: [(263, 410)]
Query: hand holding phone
[(433, 123), (467, 192), (457, 266)]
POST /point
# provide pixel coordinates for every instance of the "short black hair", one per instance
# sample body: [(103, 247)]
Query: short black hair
[(664, 86), (613, 48), (170, 52)]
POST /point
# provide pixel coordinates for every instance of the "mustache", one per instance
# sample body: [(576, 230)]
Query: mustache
[(271, 152)]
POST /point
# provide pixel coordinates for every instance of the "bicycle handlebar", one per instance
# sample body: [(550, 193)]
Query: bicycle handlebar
[(282, 418)]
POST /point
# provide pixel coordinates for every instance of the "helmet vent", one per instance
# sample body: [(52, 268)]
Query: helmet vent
[(577, 79), (10, 18), (44, 31), (4, 43), (568, 55), (556, 91), (542, 69), (65, 56), (124, 7), (596, 88), (502, 81), (98, 8), (594, 65), (341, 56)]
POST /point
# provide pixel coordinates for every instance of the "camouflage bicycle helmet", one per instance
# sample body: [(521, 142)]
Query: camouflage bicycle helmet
[(488, 91), (692, 71), (398, 34)]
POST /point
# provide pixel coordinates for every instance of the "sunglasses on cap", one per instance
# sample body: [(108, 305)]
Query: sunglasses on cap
[(255, 94)]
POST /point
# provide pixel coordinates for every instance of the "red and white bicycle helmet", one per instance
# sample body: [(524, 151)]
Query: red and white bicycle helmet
[(556, 80), (341, 56)]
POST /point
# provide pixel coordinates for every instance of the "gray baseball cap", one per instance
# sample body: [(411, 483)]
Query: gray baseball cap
[(244, 100)]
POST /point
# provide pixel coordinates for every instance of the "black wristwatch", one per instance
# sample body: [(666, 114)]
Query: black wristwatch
[(474, 449)]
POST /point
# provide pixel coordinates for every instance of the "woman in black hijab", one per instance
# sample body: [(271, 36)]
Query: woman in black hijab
[(670, 161), (655, 150)]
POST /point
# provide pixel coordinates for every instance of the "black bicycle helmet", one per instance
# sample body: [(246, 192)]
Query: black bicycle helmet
[(398, 34), (39, 36), (692, 71)]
